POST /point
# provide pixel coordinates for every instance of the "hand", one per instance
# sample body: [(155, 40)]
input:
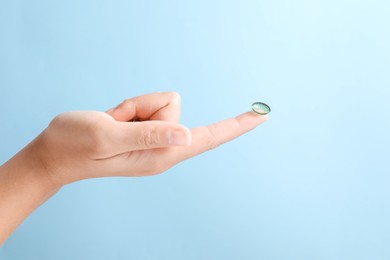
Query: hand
[(141, 136)]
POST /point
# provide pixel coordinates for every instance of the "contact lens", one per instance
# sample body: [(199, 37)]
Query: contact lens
[(261, 108)]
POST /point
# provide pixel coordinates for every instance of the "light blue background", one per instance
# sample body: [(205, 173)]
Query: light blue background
[(311, 183)]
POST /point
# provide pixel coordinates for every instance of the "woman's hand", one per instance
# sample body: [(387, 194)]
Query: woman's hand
[(140, 137)]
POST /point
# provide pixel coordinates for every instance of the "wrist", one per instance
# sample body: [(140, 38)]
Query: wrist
[(24, 185), (29, 164)]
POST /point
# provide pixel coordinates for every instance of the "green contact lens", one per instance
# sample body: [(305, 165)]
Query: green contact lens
[(261, 108)]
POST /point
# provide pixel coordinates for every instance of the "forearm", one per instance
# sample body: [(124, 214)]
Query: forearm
[(24, 186)]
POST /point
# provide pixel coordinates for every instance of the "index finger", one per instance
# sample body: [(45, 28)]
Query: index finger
[(209, 137)]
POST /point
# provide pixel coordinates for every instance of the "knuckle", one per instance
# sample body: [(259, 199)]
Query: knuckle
[(214, 141), (58, 121), (127, 103), (149, 138)]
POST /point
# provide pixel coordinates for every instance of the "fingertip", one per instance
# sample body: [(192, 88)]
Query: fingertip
[(251, 120)]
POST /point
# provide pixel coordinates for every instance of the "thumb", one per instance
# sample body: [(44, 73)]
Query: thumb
[(132, 136)]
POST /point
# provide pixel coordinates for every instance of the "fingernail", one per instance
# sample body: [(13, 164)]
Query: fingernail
[(179, 137)]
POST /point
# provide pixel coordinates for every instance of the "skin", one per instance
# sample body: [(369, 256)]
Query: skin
[(142, 136)]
